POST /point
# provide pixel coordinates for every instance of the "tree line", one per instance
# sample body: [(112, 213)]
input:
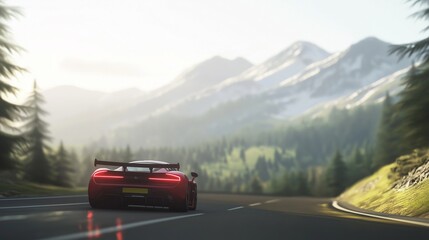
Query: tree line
[(23, 132), (319, 157)]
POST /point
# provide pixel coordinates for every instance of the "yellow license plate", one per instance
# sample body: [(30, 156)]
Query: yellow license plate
[(135, 190)]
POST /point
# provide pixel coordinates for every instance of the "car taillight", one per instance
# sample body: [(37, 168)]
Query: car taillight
[(107, 176), (166, 178)]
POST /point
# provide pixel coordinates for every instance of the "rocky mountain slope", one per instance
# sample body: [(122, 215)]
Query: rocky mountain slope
[(253, 81), (339, 75), (219, 96)]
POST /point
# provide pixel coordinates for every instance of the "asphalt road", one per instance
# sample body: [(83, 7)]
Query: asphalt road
[(217, 217)]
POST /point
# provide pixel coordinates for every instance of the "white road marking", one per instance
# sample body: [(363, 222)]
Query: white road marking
[(235, 208), (254, 204), (272, 201), (123, 227), (35, 198), (337, 206), (45, 205), (12, 218)]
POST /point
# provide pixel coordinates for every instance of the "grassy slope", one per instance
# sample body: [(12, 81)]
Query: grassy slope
[(375, 193), (234, 164)]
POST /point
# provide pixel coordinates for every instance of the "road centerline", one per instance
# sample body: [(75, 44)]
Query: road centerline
[(272, 201), (235, 208), (254, 204)]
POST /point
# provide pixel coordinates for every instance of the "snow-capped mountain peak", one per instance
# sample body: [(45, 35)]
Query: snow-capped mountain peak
[(360, 65), (300, 78), (254, 80), (302, 49)]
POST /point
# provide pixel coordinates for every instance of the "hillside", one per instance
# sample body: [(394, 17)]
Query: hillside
[(79, 116), (220, 97), (398, 188), (254, 80), (371, 94), (358, 68)]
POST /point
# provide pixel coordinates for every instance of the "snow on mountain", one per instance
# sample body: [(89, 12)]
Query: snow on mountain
[(219, 95), (370, 94), (285, 64), (340, 74), (203, 75), (77, 115), (254, 80), (199, 77)]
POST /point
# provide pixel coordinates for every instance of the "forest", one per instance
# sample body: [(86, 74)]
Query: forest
[(315, 157)]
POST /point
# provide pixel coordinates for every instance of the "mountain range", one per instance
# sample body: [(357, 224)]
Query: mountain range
[(219, 97)]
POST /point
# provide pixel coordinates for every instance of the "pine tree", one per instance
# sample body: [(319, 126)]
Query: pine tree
[(256, 185), (414, 108), (336, 175), (63, 168), (388, 145), (357, 167), (114, 155), (261, 168), (277, 156), (243, 155), (302, 189), (38, 167), (419, 48), (87, 165), (127, 155), (414, 103), (9, 112)]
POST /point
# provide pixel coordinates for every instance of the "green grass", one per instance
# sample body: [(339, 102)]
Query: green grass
[(375, 193), (235, 165), (23, 188)]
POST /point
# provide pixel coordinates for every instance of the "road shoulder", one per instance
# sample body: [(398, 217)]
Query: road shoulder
[(346, 207)]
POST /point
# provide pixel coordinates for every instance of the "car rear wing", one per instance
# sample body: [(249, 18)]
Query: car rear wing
[(124, 165)]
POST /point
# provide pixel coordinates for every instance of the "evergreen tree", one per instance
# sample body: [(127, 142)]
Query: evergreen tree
[(388, 145), (9, 112), (419, 48), (127, 155), (38, 167), (414, 108), (302, 183), (256, 185), (261, 168), (63, 168), (336, 175), (243, 154), (114, 155), (357, 167), (277, 156), (414, 103), (87, 165)]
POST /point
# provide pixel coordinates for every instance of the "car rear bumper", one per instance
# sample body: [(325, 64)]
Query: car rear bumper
[(115, 195)]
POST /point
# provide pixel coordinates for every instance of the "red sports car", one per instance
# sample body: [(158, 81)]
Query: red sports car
[(146, 182)]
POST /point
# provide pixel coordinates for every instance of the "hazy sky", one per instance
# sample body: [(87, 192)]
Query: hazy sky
[(110, 45)]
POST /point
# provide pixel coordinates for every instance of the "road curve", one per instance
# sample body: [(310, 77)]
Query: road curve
[(218, 217)]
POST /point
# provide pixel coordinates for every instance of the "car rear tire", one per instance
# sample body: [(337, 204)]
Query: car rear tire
[(194, 201), (94, 203), (181, 206)]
